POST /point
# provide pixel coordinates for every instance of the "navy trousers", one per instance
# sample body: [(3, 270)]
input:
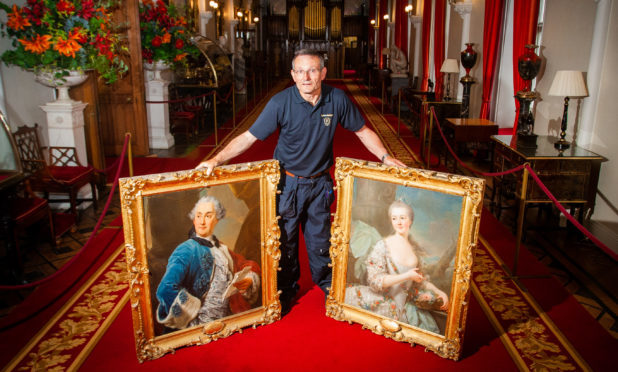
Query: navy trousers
[(304, 203)]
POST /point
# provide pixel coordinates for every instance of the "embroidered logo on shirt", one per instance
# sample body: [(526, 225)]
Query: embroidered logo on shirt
[(327, 118)]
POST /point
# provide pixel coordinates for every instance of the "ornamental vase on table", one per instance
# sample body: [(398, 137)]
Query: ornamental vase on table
[(528, 65), (52, 78)]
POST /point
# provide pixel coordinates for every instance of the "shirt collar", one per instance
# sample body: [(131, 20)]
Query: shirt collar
[(326, 89)]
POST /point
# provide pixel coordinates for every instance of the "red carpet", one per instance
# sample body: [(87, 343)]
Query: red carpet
[(293, 343)]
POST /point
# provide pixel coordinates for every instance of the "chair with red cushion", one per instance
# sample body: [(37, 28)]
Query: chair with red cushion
[(25, 212), (64, 174)]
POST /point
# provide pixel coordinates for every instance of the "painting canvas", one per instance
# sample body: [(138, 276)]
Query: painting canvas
[(402, 250), (202, 253)]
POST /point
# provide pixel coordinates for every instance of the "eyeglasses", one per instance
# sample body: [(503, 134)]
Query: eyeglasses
[(313, 71)]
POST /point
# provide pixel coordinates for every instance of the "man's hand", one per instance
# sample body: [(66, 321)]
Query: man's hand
[(208, 165), (389, 160)]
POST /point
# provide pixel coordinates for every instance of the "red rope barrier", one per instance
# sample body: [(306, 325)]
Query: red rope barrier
[(538, 181), (448, 146), (227, 96), (185, 99), (581, 228), (92, 235)]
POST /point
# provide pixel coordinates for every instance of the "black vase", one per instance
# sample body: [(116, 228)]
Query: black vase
[(528, 65), (468, 57)]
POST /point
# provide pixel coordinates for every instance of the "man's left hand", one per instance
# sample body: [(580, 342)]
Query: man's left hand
[(389, 160)]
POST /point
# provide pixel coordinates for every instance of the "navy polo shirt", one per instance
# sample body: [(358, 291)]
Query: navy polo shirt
[(305, 145)]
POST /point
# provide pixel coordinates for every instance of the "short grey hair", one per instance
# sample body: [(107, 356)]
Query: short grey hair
[(401, 204), (219, 209), (308, 52)]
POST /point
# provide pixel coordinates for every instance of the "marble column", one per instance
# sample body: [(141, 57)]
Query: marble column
[(159, 136), (463, 9)]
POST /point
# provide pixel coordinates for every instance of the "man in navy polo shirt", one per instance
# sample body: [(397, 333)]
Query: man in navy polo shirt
[(306, 115)]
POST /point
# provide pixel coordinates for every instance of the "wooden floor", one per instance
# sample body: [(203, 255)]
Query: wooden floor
[(584, 270)]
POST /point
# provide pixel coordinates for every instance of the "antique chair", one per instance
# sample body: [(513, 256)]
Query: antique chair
[(185, 116), (64, 174)]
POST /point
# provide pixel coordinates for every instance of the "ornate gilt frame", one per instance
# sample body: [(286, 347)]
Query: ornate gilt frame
[(134, 190), (448, 345)]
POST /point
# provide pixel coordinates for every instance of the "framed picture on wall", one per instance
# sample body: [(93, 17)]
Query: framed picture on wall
[(402, 249), (202, 253)]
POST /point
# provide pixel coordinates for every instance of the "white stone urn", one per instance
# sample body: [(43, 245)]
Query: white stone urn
[(156, 67), (61, 83)]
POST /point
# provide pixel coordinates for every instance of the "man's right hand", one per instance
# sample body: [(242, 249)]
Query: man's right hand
[(208, 165)]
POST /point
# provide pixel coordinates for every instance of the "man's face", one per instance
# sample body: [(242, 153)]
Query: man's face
[(205, 219), (307, 74)]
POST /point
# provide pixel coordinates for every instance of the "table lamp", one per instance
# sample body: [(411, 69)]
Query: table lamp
[(567, 84), (449, 66)]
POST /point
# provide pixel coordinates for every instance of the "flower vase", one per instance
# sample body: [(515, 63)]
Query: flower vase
[(62, 84)]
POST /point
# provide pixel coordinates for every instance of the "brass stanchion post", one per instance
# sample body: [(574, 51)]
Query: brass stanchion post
[(520, 217), (428, 135), (398, 111), (129, 155), (233, 106), (214, 111), (382, 96)]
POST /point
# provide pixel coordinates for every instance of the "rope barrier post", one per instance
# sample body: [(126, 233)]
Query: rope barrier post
[(233, 106), (398, 112), (382, 97), (428, 135), (214, 112), (520, 217), (129, 155)]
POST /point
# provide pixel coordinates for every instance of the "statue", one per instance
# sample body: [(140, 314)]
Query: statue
[(399, 62)]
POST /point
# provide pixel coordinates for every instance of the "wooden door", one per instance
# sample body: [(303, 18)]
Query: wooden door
[(88, 93), (122, 104)]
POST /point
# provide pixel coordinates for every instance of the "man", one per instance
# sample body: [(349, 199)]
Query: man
[(306, 115), (199, 272)]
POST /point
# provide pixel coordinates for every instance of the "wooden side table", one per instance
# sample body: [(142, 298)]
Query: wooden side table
[(571, 175), (463, 130)]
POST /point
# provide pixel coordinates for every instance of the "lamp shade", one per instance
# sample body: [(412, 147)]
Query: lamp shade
[(568, 84), (450, 66)]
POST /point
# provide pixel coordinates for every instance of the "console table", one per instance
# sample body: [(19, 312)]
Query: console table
[(463, 130), (571, 175)]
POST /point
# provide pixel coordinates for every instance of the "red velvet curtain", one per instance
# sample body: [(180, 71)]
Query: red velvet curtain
[(525, 19), (425, 43), (492, 35), (382, 31), (438, 43), (401, 26)]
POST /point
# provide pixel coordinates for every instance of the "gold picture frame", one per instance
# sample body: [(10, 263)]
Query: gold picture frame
[(155, 212), (408, 281)]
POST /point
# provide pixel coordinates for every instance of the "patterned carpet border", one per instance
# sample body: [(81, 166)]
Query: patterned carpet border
[(70, 335)]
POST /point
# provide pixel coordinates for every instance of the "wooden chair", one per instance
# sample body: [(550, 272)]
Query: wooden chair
[(64, 174)]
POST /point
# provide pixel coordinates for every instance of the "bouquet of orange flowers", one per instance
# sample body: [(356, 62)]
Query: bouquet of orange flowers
[(164, 34), (63, 36)]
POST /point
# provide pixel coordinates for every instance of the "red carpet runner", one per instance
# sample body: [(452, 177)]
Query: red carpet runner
[(507, 328)]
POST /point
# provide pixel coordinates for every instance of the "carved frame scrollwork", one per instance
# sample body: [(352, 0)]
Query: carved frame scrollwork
[(133, 190), (448, 344)]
